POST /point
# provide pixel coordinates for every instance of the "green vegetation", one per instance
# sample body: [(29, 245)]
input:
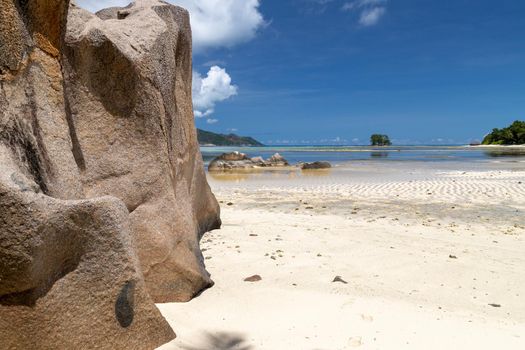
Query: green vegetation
[(380, 140), (210, 138), (512, 135)]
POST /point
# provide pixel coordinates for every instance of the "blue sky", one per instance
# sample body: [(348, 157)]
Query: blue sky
[(336, 71)]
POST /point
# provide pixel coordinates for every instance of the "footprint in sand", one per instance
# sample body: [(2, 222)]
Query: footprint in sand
[(355, 342), (367, 318)]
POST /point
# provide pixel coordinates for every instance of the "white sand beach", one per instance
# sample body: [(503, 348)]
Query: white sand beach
[(428, 256)]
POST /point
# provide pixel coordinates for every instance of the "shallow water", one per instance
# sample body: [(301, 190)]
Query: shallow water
[(344, 154)]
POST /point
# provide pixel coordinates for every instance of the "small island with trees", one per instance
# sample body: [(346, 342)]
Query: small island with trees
[(511, 135), (380, 140)]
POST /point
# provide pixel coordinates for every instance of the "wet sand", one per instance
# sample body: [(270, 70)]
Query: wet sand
[(428, 256)]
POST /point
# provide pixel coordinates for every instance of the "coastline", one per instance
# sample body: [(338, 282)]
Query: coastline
[(498, 146), (431, 256)]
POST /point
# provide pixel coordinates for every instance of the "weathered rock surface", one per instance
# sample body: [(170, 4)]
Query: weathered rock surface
[(316, 165), (105, 113), (277, 160), (70, 277), (128, 87), (240, 161)]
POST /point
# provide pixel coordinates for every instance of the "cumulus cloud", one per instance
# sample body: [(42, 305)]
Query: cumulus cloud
[(222, 23), (212, 121), (370, 11), (207, 91), (214, 23)]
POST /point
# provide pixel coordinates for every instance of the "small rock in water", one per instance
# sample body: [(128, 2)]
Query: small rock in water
[(229, 203), (253, 235), (495, 305), (339, 279), (254, 278), (316, 165), (452, 257)]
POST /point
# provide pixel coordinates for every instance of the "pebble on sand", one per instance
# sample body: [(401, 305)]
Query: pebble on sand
[(339, 279), (254, 278)]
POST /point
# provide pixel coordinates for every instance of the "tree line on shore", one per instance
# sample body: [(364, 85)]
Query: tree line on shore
[(511, 135)]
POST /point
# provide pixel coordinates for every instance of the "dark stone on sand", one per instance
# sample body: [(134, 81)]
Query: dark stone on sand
[(254, 278), (339, 279)]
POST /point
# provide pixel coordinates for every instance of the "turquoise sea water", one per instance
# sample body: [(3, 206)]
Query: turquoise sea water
[(342, 154)]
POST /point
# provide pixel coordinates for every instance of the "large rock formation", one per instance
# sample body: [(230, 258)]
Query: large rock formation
[(102, 110), (128, 88)]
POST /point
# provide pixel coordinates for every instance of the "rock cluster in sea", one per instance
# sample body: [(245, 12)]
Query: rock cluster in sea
[(103, 196), (239, 161)]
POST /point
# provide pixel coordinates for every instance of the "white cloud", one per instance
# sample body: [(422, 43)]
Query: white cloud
[(212, 121), (356, 4), (371, 11), (338, 140), (215, 87), (369, 17), (222, 23), (215, 23)]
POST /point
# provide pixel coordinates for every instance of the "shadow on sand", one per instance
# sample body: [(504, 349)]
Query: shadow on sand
[(221, 341)]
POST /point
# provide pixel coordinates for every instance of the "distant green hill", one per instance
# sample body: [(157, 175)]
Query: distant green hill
[(211, 138), (512, 135)]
